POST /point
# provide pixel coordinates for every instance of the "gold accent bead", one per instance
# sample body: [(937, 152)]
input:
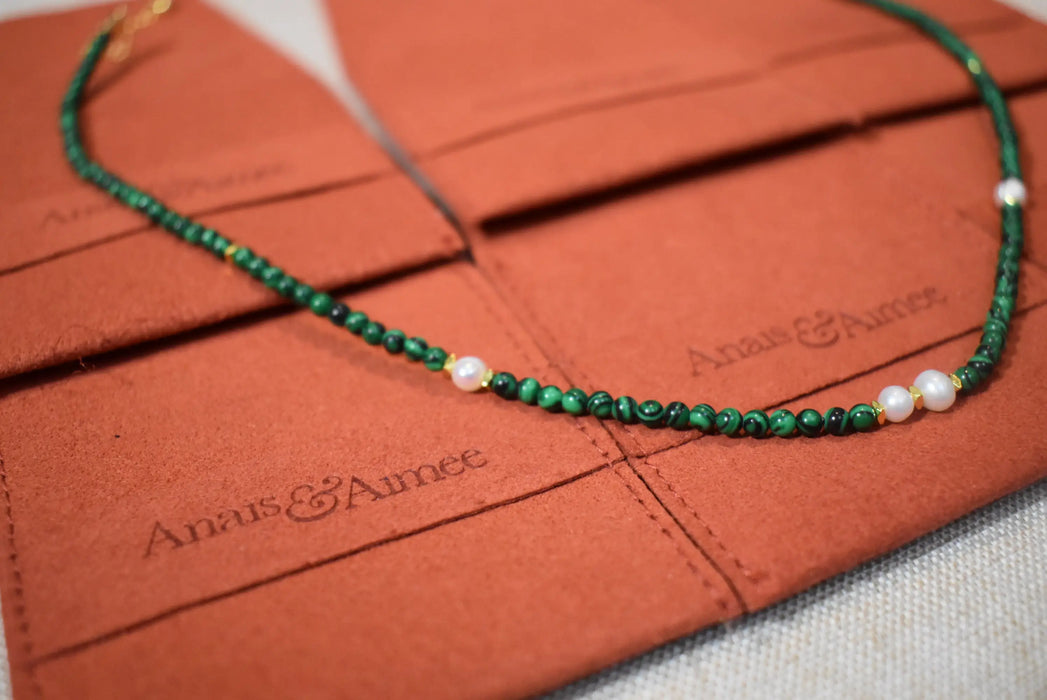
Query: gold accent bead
[(881, 412), (231, 251), (449, 363), (956, 382), (917, 397), (974, 65), (488, 376)]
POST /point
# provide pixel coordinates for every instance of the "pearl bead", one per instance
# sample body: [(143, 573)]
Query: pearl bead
[(897, 403), (937, 389), (468, 373), (1010, 191)]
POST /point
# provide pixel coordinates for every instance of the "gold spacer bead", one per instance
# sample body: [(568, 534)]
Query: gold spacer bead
[(488, 376), (881, 413), (449, 363), (917, 397), (956, 382), (231, 251)]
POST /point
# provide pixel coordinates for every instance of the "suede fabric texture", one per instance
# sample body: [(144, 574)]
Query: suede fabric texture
[(751, 205), (596, 95), (218, 126)]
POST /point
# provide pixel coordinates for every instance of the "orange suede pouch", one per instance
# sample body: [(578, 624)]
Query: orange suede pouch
[(218, 126), (268, 506)]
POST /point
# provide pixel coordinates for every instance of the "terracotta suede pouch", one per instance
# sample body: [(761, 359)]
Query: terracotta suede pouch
[(593, 95), (798, 213), (217, 125), (666, 200)]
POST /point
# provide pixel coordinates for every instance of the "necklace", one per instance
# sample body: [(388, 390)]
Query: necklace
[(932, 389)]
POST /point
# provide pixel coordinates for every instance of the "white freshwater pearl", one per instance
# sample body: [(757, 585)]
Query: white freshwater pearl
[(1010, 191), (468, 373), (937, 389), (897, 403)]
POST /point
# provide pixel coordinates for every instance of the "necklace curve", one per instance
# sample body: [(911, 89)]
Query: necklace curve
[(932, 389)]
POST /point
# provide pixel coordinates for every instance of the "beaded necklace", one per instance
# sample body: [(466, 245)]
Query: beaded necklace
[(932, 389)]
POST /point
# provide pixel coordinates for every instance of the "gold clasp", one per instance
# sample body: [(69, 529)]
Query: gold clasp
[(124, 27)]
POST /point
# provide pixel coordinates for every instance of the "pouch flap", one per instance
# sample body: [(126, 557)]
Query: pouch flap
[(509, 108), (219, 126)]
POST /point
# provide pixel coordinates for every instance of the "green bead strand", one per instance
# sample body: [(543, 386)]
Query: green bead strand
[(575, 401)]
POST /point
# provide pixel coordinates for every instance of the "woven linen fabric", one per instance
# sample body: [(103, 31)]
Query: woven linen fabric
[(957, 614)]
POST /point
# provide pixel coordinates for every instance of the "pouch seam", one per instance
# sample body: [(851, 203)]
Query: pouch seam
[(696, 85), (731, 586), (20, 611)]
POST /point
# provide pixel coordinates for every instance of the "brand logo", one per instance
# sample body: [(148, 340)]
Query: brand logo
[(820, 329), (310, 502), (181, 188)]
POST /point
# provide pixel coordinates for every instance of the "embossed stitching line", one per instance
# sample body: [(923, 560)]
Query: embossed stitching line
[(580, 425), (734, 558), (713, 593), (526, 308), (19, 602), (694, 85), (506, 324), (169, 613), (745, 570)]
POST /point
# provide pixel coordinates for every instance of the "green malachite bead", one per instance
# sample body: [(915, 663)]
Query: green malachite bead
[(154, 210), (373, 332), (257, 266), (809, 422), (600, 404), (993, 339), (321, 304), (994, 325), (862, 417), (756, 424), (990, 351), (729, 421), (703, 417), (549, 398), (207, 237), (243, 257), (528, 390), (837, 421), (415, 348), (435, 357), (651, 413), (783, 423), (167, 220), (192, 233), (625, 410), (338, 314), (981, 365), (272, 276), (286, 286), (303, 294), (574, 401), (1001, 308), (677, 415), (131, 197), (142, 202), (219, 244), (393, 341), (504, 384), (969, 377), (355, 322)]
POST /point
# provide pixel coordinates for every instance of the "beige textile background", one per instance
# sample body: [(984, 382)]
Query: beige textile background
[(962, 612)]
